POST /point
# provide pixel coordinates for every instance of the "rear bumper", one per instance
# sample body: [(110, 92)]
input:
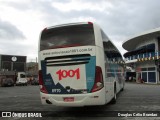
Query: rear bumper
[(97, 98)]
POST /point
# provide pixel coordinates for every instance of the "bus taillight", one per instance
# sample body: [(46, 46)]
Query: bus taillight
[(41, 84), (90, 23), (98, 83)]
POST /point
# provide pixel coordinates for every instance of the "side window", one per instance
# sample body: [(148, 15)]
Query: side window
[(22, 75), (104, 36), (111, 52)]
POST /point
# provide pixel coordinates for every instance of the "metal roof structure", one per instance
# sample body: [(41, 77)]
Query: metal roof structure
[(132, 42)]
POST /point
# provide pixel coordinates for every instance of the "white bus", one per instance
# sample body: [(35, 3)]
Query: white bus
[(78, 66)]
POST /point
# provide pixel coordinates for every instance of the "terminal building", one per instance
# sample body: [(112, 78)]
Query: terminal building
[(144, 56)]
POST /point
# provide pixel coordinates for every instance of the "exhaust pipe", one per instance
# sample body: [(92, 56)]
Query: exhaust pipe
[(48, 102)]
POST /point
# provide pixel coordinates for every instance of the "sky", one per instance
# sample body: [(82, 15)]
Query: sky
[(21, 21)]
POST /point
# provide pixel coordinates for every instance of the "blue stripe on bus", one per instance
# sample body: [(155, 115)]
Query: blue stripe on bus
[(90, 73), (49, 82)]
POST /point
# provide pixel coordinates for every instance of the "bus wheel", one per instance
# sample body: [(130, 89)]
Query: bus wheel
[(122, 88), (113, 101)]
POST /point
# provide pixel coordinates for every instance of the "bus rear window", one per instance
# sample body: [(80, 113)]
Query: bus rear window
[(67, 36)]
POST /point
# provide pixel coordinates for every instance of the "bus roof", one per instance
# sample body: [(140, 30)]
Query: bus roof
[(68, 24)]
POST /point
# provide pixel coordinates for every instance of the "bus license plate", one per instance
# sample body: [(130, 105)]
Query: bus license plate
[(68, 99)]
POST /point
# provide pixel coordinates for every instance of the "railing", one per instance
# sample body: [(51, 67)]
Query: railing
[(143, 55)]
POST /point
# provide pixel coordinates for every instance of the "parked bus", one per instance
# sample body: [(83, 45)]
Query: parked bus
[(78, 66)]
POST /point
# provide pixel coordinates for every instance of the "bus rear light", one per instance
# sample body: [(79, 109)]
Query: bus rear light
[(41, 84), (40, 77), (98, 83), (90, 23), (43, 89)]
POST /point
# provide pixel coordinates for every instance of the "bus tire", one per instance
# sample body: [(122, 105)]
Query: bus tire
[(122, 87), (113, 101)]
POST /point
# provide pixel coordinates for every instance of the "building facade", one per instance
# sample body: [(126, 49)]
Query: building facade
[(13, 63), (144, 56)]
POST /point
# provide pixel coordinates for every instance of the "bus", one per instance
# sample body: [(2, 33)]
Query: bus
[(78, 66)]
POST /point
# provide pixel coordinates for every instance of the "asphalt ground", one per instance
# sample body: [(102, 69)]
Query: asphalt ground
[(136, 98)]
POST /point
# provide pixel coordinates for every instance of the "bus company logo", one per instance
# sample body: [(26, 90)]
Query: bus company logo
[(68, 73), (6, 114)]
